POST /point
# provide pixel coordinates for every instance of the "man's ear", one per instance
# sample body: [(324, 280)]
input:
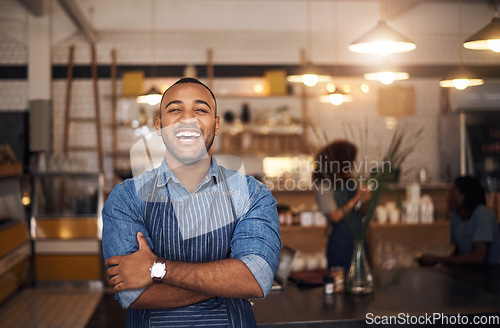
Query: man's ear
[(158, 125), (217, 126)]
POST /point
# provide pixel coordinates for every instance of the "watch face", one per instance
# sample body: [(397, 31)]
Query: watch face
[(157, 270)]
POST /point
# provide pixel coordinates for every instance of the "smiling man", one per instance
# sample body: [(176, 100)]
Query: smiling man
[(190, 242)]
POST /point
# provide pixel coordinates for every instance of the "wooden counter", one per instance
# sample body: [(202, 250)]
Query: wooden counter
[(406, 292)]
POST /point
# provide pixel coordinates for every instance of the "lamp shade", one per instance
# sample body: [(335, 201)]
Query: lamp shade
[(488, 38), (460, 79), (386, 76), (382, 40), (310, 75), (336, 98), (152, 97)]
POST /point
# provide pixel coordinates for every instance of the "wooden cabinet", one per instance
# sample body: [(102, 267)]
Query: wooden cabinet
[(66, 225), (15, 245)]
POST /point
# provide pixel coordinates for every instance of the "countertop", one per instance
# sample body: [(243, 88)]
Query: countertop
[(402, 293)]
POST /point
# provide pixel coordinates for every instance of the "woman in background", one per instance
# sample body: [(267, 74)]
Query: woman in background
[(474, 227), (338, 194)]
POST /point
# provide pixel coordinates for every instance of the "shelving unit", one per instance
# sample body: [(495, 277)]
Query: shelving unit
[(66, 228), (15, 245)]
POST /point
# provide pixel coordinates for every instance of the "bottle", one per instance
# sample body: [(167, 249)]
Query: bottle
[(328, 284), (245, 113)]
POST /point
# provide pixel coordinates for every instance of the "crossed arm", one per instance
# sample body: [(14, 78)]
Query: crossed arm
[(184, 283)]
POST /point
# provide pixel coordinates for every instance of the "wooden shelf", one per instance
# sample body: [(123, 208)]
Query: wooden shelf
[(11, 169)]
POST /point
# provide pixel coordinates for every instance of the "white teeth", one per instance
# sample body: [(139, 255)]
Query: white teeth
[(187, 134)]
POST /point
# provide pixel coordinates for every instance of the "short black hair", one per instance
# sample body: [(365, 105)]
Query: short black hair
[(190, 80), (472, 190)]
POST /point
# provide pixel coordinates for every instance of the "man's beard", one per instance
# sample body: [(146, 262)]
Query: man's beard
[(195, 150)]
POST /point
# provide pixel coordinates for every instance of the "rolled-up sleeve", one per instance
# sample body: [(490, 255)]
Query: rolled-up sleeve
[(256, 240), (121, 223)]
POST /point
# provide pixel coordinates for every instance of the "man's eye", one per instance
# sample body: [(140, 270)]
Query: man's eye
[(202, 110), (173, 110)]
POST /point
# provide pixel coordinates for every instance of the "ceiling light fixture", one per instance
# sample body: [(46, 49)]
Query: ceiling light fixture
[(309, 74), (386, 77), (153, 95), (387, 74), (488, 38), (336, 98), (382, 39), (460, 78)]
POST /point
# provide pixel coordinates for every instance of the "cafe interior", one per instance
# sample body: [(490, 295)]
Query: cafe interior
[(80, 87)]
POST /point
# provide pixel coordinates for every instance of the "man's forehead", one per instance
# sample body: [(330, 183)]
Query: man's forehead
[(189, 91)]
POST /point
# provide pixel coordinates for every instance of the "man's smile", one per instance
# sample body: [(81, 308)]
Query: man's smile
[(188, 135)]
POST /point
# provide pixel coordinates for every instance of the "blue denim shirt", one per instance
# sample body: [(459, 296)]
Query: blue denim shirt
[(243, 224)]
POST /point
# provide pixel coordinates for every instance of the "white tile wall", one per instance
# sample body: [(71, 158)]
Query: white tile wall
[(235, 47)]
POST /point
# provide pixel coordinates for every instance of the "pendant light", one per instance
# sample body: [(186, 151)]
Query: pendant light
[(460, 78), (309, 74), (387, 74), (336, 98), (488, 38), (382, 39), (152, 96), (386, 77)]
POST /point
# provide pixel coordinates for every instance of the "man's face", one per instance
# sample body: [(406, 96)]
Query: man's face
[(188, 123), (455, 198)]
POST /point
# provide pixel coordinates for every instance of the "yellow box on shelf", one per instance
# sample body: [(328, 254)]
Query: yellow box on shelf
[(133, 83), (275, 82)]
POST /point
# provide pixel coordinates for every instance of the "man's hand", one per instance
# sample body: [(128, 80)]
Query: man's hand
[(132, 271)]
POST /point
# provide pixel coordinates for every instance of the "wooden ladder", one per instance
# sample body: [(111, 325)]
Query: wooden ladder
[(96, 119)]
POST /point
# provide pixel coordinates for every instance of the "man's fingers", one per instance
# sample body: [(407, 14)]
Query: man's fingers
[(113, 260), (112, 271)]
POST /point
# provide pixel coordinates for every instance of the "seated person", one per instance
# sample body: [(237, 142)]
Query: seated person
[(474, 227)]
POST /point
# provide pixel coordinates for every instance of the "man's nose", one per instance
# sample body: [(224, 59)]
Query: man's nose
[(187, 115)]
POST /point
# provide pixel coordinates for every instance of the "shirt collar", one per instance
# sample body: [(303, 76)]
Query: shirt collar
[(165, 173)]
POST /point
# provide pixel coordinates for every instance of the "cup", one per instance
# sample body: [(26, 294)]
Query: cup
[(394, 216), (381, 214)]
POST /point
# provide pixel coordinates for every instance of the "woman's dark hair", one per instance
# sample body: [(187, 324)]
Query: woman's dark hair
[(335, 160), (472, 190)]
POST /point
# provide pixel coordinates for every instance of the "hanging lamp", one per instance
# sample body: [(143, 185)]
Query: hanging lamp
[(382, 39), (460, 78), (487, 38), (308, 74), (336, 98), (387, 74), (152, 96)]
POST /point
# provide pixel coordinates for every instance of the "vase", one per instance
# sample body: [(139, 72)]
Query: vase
[(359, 278)]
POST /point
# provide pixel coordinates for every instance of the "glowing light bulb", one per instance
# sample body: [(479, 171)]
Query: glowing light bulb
[(460, 84), (258, 88), (365, 88), (310, 79), (494, 44), (153, 99), (386, 77), (330, 87), (336, 99)]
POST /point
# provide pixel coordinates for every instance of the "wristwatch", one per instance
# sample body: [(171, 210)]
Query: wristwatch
[(158, 269)]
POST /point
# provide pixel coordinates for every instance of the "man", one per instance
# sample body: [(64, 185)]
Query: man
[(190, 242), (474, 227)]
